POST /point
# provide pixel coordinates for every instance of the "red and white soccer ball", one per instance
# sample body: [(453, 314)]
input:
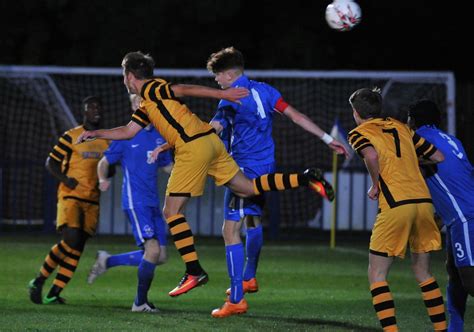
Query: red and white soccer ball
[(343, 15)]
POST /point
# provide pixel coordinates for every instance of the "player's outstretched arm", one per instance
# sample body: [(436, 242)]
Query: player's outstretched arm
[(190, 90), (54, 167), (118, 133), (307, 124)]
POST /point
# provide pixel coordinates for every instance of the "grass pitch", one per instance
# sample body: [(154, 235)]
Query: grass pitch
[(303, 287)]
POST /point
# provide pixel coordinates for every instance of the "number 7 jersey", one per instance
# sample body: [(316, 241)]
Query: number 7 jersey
[(398, 148)]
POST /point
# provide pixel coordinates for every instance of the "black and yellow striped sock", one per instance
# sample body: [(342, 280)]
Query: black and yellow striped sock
[(278, 182), (54, 257), (434, 303), (67, 267), (184, 241), (384, 306)]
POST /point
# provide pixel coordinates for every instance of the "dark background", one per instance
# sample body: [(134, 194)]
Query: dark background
[(393, 35)]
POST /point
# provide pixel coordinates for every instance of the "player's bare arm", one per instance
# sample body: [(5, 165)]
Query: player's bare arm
[(54, 167), (102, 172), (189, 90), (371, 160), (307, 124), (217, 126), (155, 153), (118, 133), (436, 157)]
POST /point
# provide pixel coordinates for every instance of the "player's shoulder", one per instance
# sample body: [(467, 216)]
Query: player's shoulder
[(159, 80), (73, 132), (225, 104), (263, 86)]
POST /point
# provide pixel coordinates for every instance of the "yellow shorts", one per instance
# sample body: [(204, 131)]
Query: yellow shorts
[(409, 223), (77, 214), (197, 159)]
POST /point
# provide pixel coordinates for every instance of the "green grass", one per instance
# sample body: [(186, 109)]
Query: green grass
[(303, 287)]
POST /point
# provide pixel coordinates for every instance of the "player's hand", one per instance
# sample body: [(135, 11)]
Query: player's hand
[(234, 94), (71, 183), (373, 192), (104, 185), (85, 136), (155, 153), (339, 148)]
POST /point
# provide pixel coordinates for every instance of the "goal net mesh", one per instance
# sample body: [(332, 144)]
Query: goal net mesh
[(37, 107)]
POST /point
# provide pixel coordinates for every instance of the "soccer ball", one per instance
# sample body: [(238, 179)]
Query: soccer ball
[(343, 15)]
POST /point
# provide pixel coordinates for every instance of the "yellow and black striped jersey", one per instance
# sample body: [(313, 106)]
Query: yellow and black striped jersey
[(80, 162), (397, 147), (173, 119)]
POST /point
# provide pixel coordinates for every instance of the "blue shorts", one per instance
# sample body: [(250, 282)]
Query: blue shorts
[(460, 240), (147, 223), (235, 208)]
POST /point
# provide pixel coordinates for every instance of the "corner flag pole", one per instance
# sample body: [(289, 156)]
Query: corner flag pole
[(334, 203)]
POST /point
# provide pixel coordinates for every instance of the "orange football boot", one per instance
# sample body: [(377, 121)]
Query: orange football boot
[(189, 282), (319, 184), (229, 309), (249, 286)]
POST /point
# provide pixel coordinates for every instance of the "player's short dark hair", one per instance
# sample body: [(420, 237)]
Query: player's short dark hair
[(92, 99), (367, 102), (425, 112), (139, 64), (226, 58)]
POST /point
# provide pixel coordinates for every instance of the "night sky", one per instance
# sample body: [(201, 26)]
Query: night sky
[(393, 35)]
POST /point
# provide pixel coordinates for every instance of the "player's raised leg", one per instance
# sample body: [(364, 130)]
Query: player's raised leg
[(245, 187), (105, 261)]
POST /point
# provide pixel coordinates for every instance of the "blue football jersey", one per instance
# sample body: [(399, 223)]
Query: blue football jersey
[(452, 184), (140, 175), (250, 123)]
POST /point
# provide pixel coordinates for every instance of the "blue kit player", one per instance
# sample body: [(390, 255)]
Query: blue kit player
[(141, 204), (247, 128), (451, 184)]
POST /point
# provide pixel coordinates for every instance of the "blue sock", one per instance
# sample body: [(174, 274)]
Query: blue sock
[(132, 258), (253, 244), (456, 298), (146, 270), (235, 267)]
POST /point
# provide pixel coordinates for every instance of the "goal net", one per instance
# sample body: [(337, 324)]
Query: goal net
[(39, 103)]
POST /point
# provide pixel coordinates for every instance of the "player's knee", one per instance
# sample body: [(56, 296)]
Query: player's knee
[(74, 238), (152, 255), (169, 212), (162, 258)]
